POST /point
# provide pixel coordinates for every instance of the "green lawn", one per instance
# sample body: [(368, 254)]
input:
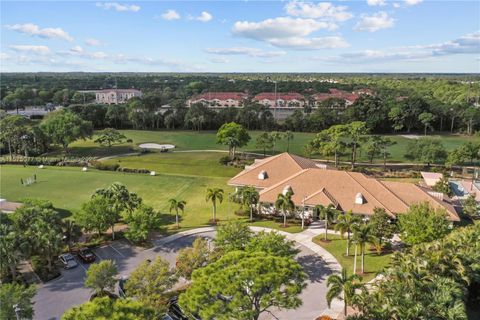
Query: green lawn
[(337, 247), (189, 163), (205, 140), (180, 175)]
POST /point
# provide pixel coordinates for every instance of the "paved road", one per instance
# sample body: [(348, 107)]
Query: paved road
[(55, 297)]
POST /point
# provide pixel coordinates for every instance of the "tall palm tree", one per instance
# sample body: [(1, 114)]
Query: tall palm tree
[(71, 232), (284, 203), (328, 214), (345, 224), (348, 285), (288, 136), (177, 205), (362, 235), (250, 197), (214, 194)]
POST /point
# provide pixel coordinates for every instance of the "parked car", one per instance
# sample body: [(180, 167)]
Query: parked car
[(86, 255), (68, 260)]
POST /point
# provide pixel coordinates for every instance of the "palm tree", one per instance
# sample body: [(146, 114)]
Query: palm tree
[(177, 205), (346, 285), (214, 194), (250, 197), (362, 235), (345, 224), (284, 203), (71, 232), (288, 136), (327, 214)]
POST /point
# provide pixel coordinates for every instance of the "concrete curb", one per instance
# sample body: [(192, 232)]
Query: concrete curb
[(304, 238)]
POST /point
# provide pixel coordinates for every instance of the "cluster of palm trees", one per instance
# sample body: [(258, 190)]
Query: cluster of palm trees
[(429, 281)]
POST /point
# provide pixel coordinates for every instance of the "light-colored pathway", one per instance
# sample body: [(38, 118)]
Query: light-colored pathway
[(304, 238)]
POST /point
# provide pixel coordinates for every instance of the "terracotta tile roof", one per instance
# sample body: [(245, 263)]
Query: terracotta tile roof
[(221, 96), (335, 93), (341, 189), (277, 168), (283, 96)]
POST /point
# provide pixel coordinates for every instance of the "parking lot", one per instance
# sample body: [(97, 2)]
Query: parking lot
[(57, 296)]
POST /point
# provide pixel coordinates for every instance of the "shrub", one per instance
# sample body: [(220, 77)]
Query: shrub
[(133, 170), (105, 166), (225, 160), (39, 266)]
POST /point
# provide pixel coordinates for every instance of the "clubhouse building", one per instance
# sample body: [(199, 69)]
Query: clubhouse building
[(313, 185)]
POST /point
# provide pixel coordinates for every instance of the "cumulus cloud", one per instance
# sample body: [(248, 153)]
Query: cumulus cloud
[(321, 10), (120, 7), (252, 52), (170, 15), (376, 2), (93, 42), (33, 49), (4, 56), (204, 17), (374, 22), (78, 51), (412, 2), (34, 30), (288, 32), (281, 27)]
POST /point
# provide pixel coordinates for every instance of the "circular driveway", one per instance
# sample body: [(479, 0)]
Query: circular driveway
[(57, 296)]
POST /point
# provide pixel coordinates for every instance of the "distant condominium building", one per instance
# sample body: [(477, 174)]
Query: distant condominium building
[(115, 96), (283, 100), (219, 99), (348, 97)]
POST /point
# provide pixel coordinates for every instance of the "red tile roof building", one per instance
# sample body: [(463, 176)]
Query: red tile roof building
[(284, 100), (346, 191), (219, 99), (348, 97)]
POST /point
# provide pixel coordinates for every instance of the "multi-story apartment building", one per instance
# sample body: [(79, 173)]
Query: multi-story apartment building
[(115, 96), (219, 99), (289, 100)]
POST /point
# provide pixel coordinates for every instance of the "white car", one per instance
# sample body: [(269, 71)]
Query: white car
[(68, 261)]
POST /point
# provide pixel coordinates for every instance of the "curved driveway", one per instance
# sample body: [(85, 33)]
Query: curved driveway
[(55, 297)]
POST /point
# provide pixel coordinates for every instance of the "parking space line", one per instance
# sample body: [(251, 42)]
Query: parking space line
[(96, 253), (117, 251), (81, 265)]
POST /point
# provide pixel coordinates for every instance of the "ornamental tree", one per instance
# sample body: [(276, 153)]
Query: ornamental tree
[(234, 136), (422, 223), (243, 285), (106, 308), (109, 136)]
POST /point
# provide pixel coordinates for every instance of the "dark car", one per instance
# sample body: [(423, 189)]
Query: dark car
[(86, 255)]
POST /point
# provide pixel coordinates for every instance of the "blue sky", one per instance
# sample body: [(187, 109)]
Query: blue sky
[(241, 36)]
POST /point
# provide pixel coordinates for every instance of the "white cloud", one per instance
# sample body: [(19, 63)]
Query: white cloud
[(78, 51), (396, 5), (467, 44), (204, 17), (321, 10), (376, 2), (42, 50), (288, 32), (170, 15), (374, 22), (4, 56), (252, 52), (121, 7), (220, 60), (93, 42), (311, 43), (412, 2), (34, 30), (281, 27)]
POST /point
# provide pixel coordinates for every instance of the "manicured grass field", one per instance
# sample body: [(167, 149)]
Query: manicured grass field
[(206, 140), (188, 163), (68, 188), (337, 247)]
